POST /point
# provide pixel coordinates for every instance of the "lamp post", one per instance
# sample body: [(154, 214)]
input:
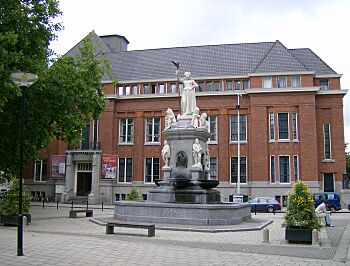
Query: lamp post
[(23, 80), (238, 186)]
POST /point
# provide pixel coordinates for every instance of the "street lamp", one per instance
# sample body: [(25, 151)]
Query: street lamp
[(238, 186), (23, 80)]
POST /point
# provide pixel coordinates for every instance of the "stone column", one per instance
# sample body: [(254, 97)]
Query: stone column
[(94, 195), (69, 183)]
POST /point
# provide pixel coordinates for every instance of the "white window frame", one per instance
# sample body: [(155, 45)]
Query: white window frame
[(274, 170), (278, 127), (152, 170), (272, 126), (216, 128), (324, 142), (279, 170), (296, 167), (120, 90), (135, 89), (295, 77), (131, 142), (246, 128), (41, 170), (246, 169), (125, 170), (153, 133), (295, 127), (265, 80)]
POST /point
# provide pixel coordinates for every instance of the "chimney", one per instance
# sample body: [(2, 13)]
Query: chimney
[(116, 43)]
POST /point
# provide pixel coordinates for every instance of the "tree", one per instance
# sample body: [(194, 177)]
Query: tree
[(67, 93), (300, 208)]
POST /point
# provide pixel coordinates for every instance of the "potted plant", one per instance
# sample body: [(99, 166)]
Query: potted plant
[(9, 206), (300, 217)]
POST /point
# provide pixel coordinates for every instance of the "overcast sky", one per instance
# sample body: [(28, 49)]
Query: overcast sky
[(321, 25)]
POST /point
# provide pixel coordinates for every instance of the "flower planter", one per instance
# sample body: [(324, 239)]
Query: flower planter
[(299, 235), (13, 220)]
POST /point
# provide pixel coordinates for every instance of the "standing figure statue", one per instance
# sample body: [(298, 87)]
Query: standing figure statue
[(196, 118), (197, 153), (207, 158), (188, 95), (166, 153), (169, 119)]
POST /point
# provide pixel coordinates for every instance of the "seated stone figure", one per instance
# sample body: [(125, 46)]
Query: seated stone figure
[(169, 119)]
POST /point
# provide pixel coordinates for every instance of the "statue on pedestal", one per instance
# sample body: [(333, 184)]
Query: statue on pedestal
[(188, 95), (166, 153), (197, 155), (169, 119), (196, 118)]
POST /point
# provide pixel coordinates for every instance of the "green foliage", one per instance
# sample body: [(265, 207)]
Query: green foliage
[(67, 93), (300, 208), (9, 206), (133, 195)]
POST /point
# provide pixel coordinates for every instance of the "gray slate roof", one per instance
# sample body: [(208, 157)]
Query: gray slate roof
[(210, 60)]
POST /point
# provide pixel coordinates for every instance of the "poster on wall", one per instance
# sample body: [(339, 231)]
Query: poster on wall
[(58, 166), (109, 167)]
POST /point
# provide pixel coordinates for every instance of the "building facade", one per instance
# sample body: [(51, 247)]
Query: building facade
[(290, 106)]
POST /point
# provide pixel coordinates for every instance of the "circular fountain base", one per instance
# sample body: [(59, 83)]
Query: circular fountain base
[(186, 214)]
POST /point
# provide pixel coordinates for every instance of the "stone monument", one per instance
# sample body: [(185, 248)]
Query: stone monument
[(186, 195)]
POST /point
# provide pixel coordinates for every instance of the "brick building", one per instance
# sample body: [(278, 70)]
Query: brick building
[(291, 122)]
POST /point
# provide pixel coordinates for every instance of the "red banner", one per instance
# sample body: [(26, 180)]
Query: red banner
[(109, 166)]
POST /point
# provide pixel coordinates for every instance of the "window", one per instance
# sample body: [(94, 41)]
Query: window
[(237, 85), (272, 126), (173, 87), (154, 88), (95, 133), (327, 141), (212, 128), (272, 169), (161, 88), (242, 128), (145, 88), (40, 170), (228, 85), (135, 90), (85, 142), (208, 86), (213, 168), (281, 82), (234, 170), (216, 85), (245, 84), (267, 82), (283, 129), (200, 86), (120, 90), (151, 170), (126, 130), (127, 90), (296, 82), (284, 169), (295, 126), (296, 168), (324, 84), (152, 129), (125, 170)]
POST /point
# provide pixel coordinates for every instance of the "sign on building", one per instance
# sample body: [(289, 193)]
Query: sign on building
[(58, 166), (109, 166)]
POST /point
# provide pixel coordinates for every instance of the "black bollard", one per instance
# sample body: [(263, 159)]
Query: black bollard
[(87, 204), (43, 202), (72, 204), (255, 209), (57, 205), (102, 205)]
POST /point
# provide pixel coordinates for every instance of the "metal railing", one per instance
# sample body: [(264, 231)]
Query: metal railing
[(85, 146)]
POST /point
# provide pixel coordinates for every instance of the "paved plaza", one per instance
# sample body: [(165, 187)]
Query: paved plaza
[(54, 239)]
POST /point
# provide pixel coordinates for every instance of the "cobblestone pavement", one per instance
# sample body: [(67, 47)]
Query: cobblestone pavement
[(54, 239)]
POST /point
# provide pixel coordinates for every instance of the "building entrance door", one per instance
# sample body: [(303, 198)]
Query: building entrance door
[(83, 183), (328, 182)]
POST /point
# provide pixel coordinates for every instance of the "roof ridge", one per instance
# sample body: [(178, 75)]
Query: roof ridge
[(262, 60)]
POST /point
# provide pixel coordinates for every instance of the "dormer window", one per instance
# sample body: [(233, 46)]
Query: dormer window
[(324, 84), (296, 82), (281, 82)]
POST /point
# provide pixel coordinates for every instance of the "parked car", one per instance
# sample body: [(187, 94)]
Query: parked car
[(265, 204), (332, 197)]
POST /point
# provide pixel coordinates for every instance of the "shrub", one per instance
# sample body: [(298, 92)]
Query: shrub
[(300, 208), (9, 206), (133, 195)]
